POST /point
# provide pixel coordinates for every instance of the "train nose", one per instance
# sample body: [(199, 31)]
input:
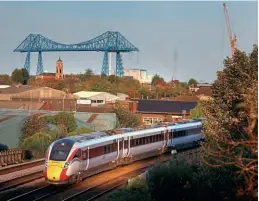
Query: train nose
[(54, 173)]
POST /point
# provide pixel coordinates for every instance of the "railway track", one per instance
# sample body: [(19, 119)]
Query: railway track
[(99, 190), (12, 183), (22, 166), (36, 194), (94, 186)]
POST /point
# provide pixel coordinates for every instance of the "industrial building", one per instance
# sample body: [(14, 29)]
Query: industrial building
[(95, 98), (139, 74)]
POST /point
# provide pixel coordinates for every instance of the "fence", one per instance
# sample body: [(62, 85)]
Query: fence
[(11, 156)]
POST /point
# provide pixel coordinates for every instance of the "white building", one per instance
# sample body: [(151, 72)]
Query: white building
[(95, 98), (122, 96), (3, 85), (139, 74)]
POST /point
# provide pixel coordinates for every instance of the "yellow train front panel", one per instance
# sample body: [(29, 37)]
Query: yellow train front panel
[(55, 170)]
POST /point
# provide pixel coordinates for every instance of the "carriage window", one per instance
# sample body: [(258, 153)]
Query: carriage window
[(76, 155), (84, 155)]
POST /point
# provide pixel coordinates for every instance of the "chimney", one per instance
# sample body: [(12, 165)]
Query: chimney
[(133, 107)]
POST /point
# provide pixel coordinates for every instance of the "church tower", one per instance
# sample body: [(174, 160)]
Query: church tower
[(59, 69)]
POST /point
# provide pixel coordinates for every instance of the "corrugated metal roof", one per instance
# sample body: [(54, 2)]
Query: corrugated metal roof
[(87, 94), (42, 92), (13, 90), (21, 105), (96, 95)]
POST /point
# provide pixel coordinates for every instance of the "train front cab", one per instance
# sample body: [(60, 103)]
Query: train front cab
[(58, 167)]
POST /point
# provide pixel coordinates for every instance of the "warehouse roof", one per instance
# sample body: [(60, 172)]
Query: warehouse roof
[(160, 106), (92, 95)]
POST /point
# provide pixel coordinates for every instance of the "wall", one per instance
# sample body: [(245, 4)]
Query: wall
[(58, 104), (139, 74), (164, 117)]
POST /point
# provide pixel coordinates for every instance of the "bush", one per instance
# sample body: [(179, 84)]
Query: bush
[(3, 147), (138, 190), (190, 182), (33, 124), (38, 143), (66, 119), (62, 118), (126, 118)]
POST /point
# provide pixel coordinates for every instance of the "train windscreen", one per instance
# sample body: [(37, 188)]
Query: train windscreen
[(61, 149)]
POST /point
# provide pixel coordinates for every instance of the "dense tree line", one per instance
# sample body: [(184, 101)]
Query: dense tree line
[(231, 125), (88, 81), (229, 168), (178, 180)]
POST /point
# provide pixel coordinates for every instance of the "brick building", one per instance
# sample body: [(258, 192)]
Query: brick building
[(155, 111), (204, 93), (59, 74)]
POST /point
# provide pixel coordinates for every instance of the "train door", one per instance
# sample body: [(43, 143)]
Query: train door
[(81, 158), (127, 145), (76, 162)]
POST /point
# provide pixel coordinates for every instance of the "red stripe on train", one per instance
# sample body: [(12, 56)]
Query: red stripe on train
[(63, 175)]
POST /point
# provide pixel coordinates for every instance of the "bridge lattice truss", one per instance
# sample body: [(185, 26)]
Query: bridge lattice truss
[(107, 42)]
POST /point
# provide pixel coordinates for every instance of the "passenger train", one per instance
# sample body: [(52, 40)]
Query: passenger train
[(70, 159)]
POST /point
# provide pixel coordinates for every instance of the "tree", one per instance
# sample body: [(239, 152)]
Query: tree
[(5, 78), (33, 124), (79, 87), (230, 117), (192, 82), (197, 111), (105, 86), (190, 182), (38, 143), (112, 79), (3, 147), (60, 85), (138, 190), (157, 78), (126, 118), (88, 73), (20, 75), (63, 118), (145, 93)]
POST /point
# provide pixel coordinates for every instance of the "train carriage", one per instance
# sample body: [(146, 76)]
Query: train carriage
[(70, 159)]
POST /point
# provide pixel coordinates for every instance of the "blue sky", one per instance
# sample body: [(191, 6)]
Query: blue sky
[(175, 39)]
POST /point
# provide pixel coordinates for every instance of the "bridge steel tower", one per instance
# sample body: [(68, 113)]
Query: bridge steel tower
[(108, 42)]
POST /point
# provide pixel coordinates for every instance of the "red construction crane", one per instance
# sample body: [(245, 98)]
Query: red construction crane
[(231, 36)]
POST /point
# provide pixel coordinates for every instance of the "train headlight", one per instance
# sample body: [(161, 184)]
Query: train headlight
[(66, 164)]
